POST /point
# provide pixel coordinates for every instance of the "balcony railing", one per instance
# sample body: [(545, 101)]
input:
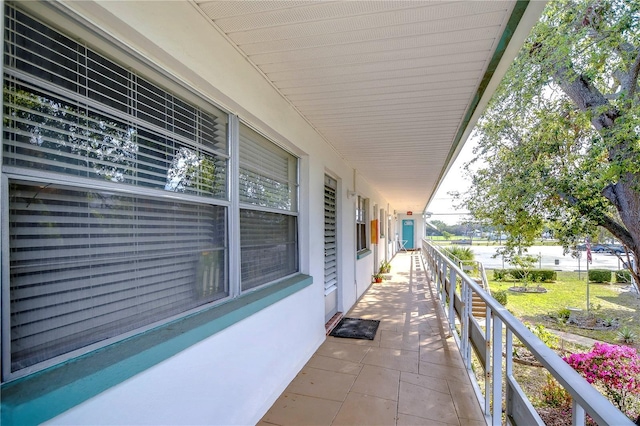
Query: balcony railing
[(491, 340)]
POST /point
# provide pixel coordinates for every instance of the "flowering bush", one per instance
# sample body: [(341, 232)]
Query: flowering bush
[(615, 370)]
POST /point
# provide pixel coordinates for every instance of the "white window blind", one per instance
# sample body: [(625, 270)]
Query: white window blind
[(268, 247), (330, 240), (361, 224), (268, 181), (87, 265), (268, 174), (72, 111)]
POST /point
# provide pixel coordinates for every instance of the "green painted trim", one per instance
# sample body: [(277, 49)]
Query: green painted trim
[(363, 253), (43, 395), (514, 20)]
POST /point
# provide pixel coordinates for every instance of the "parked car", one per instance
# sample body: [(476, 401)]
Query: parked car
[(595, 248), (617, 249)]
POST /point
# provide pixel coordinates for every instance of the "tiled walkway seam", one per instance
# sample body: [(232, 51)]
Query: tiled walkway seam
[(410, 374)]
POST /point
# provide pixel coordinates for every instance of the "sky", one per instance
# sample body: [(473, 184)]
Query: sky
[(441, 206)]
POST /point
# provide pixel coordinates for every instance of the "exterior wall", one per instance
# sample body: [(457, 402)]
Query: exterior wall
[(230, 378), (235, 375)]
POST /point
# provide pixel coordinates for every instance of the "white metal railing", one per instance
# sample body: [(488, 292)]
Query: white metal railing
[(455, 289)]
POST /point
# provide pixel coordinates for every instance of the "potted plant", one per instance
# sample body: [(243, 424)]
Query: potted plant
[(377, 277), (385, 267)]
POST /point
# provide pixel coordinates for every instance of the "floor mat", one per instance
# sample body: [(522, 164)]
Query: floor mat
[(356, 328)]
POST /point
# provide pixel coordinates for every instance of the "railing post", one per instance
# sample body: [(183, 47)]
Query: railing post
[(487, 362), (434, 270), (577, 414), (496, 372), (464, 322), (452, 298), (508, 365), (438, 263), (443, 284)]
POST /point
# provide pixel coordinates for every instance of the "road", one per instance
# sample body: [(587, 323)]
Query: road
[(549, 256)]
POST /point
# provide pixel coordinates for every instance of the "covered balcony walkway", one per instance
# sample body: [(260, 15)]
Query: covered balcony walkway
[(411, 373)]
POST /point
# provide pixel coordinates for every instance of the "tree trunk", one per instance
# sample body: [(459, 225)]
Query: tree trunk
[(624, 194)]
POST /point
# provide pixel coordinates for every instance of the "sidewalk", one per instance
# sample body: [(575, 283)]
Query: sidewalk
[(410, 374), (574, 338)]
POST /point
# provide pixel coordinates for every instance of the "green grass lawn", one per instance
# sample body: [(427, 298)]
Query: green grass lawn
[(608, 301)]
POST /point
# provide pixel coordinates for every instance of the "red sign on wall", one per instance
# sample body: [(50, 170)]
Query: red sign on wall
[(409, 213)]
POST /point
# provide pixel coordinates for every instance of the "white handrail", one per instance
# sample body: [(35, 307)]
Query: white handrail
[(519, 410)]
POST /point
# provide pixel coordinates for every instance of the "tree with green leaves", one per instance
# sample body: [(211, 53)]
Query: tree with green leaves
[(559, 144)]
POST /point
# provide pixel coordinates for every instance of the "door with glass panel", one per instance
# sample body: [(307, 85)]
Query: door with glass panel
[(330, 249), (407, 234)]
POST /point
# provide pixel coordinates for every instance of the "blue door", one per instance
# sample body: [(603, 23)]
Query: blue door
[(407, 233)]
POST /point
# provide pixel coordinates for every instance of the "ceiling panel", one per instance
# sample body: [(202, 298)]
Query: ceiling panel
[(386, 83)]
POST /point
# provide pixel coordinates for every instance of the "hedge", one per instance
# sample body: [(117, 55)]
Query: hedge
[(599, 275), (499, 274), (535, 275), (623, 276)]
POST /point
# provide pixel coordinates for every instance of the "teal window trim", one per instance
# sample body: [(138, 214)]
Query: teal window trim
[(363, 253), (45, 394)]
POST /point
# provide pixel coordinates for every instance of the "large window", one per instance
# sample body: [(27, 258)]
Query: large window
[(117, 197)]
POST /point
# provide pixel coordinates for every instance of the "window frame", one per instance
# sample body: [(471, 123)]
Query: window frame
[(248, 135), (362, 231)]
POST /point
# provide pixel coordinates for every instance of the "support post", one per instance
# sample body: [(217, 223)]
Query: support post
[(496, 372)]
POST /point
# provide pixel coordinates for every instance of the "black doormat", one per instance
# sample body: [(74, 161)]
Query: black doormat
[(355, 328)]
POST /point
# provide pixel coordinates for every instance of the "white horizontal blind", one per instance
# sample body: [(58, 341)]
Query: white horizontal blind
[(268, 240), (72, 111), (361, 224), (87, 265), (330, 241), (268, 247), (268, 174)]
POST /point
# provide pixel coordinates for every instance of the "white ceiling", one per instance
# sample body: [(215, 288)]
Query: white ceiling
[(387, 83)]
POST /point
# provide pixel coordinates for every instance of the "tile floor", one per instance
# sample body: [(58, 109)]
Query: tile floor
[(410, 374)]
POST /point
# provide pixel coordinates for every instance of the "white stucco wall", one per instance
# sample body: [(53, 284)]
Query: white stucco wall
[(228, 379), (234, 376)]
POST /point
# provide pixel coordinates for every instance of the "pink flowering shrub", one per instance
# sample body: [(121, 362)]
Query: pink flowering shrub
[(615, 370)]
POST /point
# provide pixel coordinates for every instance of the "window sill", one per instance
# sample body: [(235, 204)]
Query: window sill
[(363, 253), (43, 395)]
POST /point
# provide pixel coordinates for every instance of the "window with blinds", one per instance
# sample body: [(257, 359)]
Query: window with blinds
[(268, 184), (361, 224), (70, 110), (89, 264)]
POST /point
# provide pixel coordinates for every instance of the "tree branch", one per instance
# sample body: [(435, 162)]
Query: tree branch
[(607, 222), (586, 96), (633, 75)]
